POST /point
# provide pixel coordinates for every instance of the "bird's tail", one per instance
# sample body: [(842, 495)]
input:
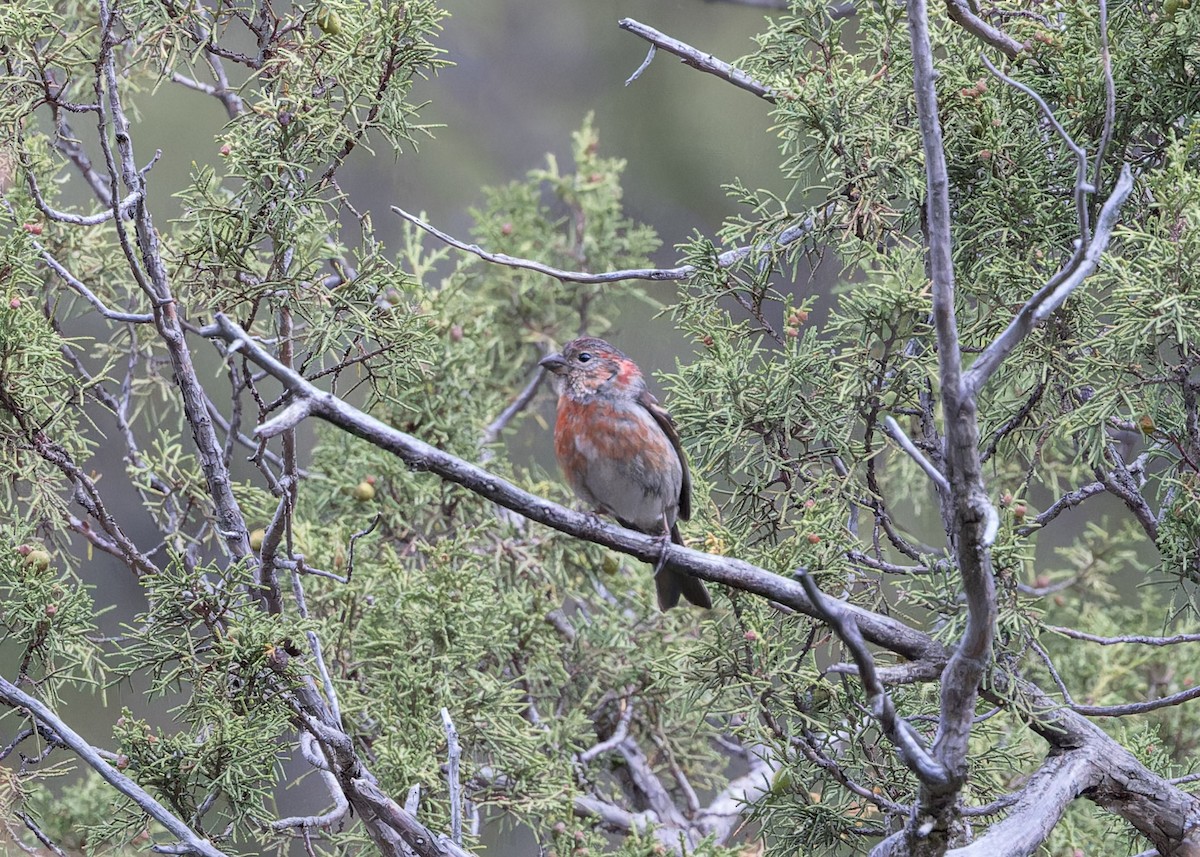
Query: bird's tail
[(672, 584)]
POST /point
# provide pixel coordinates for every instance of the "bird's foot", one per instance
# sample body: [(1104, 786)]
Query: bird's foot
[(664, 542)]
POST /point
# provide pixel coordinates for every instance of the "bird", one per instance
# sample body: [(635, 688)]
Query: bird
[(620, 452)]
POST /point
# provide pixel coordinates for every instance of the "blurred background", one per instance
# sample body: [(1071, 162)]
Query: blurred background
[(525, 75)]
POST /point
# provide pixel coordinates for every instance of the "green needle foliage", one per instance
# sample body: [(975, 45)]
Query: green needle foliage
[(406, 595)]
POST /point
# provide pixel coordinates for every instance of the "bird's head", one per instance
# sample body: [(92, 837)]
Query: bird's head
[(589, 366)]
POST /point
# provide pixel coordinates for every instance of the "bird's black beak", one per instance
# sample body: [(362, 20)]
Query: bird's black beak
[(553, 363)]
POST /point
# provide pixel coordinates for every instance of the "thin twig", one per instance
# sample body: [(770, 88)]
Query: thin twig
[(341, 807), (908, 742), (41, 835), (696, 59), (491, 434), (620, 733), (727, 259), (77, 285), (892, 429), (1139, 639), (1083, 262), (645, 65), (453, 759), (1110, 96), (1068, 501), (1083, 184)]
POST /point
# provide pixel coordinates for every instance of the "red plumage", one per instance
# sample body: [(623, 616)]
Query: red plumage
[(620, 452)]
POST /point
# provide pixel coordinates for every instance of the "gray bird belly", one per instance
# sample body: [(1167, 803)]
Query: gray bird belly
[(632, 489)]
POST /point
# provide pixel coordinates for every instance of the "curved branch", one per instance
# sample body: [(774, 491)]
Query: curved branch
[(727, 259), (1039, 808), (1052, 295), (892, 429), (910, 747), (960, 12)]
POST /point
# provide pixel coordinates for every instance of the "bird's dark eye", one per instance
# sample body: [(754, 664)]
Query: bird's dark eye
[(584, 357)]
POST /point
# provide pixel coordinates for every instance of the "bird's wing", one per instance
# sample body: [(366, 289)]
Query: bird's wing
[(667, 424)]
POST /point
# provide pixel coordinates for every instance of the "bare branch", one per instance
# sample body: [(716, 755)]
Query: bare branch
[(648, 783), (1123, 638), (14, 696), (1083, 185), (120, 210), (453, 758), (148, 269), (41, 835), (491, 434), (892, 429), (961, 14), (417, 836), (1040, 806), (1052, 295), (911, 673), (1120, 481), (882, 630), (695, 58), (910, 746), (341, 807), (969, 518), (645, 65), (1062, 504), (612, 816), (859, 558), (723, 814), (88, 496), (77, 285), (725, 260), (620, 733), (1015, 420), (1128, 708)]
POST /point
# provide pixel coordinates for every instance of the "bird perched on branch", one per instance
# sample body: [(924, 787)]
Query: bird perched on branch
[(620, 452)]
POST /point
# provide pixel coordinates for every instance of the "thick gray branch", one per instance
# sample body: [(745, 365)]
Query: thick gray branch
[(968, 514), (1040, 807), (308, 399), (148, 269), (416, 836)]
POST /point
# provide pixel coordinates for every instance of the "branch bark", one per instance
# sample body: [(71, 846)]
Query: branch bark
[(697, 59), (967, 512), (309, 400), (727, 259), (195, 844), (1063, 729)]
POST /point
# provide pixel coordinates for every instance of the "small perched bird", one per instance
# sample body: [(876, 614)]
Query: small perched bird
[(620, 452)]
